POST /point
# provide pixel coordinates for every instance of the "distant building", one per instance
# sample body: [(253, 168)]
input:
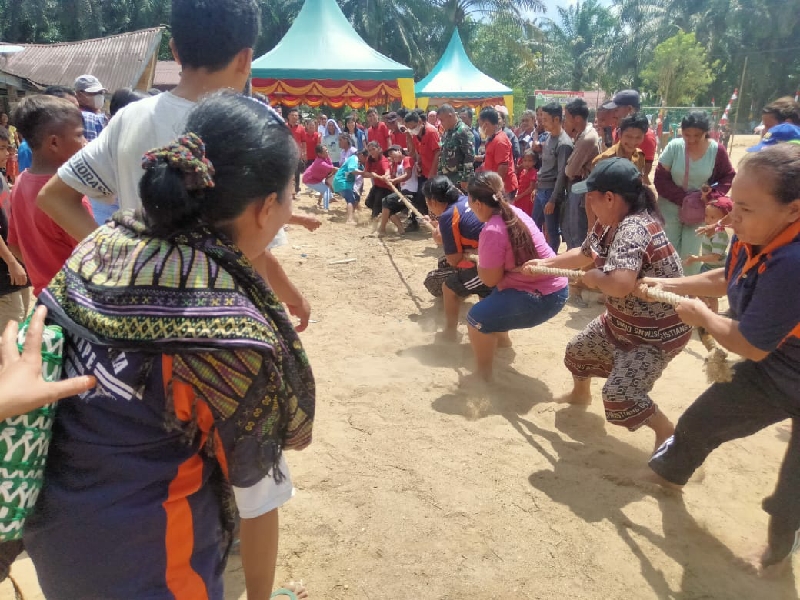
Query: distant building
[(124, 60), (168, 75)]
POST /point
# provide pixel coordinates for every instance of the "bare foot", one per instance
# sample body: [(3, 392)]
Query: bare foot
[(298, 589), (448, 336), (350, 223), (652, 477), (575, 398), (776, 570)]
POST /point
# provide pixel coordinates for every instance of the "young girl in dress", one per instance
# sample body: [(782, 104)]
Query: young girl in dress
[(527, 183)]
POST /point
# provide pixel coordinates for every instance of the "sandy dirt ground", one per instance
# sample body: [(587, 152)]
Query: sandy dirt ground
[(419, 488)]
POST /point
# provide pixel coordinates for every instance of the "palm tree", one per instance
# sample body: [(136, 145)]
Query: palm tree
[(579, 40)]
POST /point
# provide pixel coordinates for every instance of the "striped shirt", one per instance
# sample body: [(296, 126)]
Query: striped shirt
[(716, 244), (93, 124)]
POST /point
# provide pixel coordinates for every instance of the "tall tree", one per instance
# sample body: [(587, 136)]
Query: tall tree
[(580, 40), (680, 71)]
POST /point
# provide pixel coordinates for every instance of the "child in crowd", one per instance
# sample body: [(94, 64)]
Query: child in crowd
[(527, 183), (346, 146), (376, 166), (331, 141), (313, 139), (54, 130), (401, 175), (714, 247), (14, 285), (317, 174), (344, 183)]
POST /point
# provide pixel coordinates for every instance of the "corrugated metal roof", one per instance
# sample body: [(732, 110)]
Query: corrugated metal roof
[(117, 61), (168, 74)]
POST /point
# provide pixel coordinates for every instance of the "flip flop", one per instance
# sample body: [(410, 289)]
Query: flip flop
[(284, 592)]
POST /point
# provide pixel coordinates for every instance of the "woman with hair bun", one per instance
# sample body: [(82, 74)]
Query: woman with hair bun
[(508, 240), (632, 343), (202, 381)]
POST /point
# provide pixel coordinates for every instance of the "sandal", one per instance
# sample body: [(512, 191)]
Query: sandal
[(284, 592)]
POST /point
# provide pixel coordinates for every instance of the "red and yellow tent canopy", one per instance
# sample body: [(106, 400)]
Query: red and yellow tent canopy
[(322, 60)]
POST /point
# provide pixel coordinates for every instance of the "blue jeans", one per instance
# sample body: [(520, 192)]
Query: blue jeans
[(575, 221), (349, 196), (514, 309), (323, 189), (549, 224)]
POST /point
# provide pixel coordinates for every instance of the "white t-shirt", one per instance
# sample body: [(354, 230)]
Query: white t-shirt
[(111, 165)]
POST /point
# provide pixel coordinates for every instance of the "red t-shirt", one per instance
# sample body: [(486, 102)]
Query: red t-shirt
[(312, 141), (379, 167), (45, 246), (498, 152), (427, 145), (299, 134), (648, 146), (399, 139), (380, 134), (526, 178)]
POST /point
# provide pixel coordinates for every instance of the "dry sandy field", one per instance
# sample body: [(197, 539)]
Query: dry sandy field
[(417, 487)]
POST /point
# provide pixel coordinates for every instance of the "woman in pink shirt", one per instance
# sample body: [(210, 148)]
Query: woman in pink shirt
[(315, 176), (507, 241)]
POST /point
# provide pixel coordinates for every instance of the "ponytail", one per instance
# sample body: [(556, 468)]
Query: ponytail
[(486, 187)]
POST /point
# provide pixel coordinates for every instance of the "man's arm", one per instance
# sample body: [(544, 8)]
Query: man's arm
[(434, 165), (65, 206)]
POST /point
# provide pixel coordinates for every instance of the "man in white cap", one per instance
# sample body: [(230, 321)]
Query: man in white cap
[(91, 97)]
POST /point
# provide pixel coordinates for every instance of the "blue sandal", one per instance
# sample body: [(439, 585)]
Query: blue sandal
[(284, 592)]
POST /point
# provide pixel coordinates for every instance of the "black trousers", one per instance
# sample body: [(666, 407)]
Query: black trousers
[(728, 411)]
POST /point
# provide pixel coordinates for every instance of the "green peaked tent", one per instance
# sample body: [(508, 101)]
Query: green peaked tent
[(457, 81), (322, 60)]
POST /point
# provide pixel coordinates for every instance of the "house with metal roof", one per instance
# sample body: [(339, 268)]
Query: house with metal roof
[(123, 60)]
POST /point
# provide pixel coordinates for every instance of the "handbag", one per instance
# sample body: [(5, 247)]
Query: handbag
[(24, 441), (693, 210)]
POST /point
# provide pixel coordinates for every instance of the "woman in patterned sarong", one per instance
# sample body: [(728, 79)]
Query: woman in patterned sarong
[(633, 341), (202, 381)]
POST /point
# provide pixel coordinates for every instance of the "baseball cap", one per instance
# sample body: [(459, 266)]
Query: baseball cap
[(623, 98), (391, 117), (618, 175), (723, 203), (785, 132), (89, 84)]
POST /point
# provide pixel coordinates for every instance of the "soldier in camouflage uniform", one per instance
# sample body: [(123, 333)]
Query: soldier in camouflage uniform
[(458, 148)]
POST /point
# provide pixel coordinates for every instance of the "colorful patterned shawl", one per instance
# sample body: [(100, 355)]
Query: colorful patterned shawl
[(187, 296)]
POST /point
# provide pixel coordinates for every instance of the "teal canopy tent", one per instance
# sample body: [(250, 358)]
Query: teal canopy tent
[(322, 60), (457, 81)]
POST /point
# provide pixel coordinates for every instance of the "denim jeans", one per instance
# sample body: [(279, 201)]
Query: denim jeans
[(323, 189), (575, 223), (504, 310), (549, 224)]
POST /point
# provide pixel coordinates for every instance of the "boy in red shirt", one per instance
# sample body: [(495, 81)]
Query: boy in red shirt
[(377, 169), (299, 135), (312, 140), (54, 130), (377, 130)]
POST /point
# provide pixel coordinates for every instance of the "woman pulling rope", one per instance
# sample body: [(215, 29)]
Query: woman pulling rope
[(633, 341)]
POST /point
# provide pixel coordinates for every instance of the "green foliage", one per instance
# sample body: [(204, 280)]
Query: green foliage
[(586, 46), (679, 71)]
